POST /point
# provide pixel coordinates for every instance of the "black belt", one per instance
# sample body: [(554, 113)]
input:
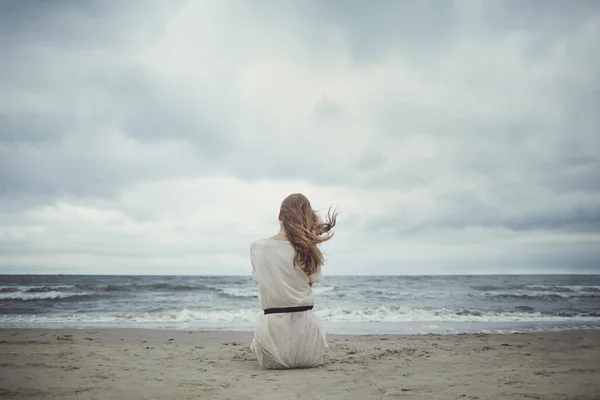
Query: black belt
[(287, 310)]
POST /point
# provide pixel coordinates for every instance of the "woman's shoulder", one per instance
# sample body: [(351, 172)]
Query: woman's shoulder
[(267, 243), (257, 243)]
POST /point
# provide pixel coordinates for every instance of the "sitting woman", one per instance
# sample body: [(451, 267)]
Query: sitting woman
[(289, 334)]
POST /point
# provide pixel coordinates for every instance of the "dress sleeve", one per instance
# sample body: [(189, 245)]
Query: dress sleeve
[(252, 262)]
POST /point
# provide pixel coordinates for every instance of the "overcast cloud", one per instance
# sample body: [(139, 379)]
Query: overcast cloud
[(160, 137)]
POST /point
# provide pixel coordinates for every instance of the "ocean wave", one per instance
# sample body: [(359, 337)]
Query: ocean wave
[(489, 288), (52, 295), (539, 288), (182, 316), (114, 288), (411, 314), (399, 294), (33, 289), (322, 289), (360, 315), (187, 315), (240, 292), (525, 308), (169, 287), (552, 296), (565, 288), (128, 287), (252, 292)]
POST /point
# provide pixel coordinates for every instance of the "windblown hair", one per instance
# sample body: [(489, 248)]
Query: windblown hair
[(305, 230)]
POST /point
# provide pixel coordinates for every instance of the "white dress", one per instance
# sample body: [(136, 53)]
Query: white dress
[(285, 340)]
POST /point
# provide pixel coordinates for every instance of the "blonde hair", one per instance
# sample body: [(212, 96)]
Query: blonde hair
[(305, 230)]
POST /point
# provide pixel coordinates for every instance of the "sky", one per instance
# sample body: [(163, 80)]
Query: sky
[(455, 137)]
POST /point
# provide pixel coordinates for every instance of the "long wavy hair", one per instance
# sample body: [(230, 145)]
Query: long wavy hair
[(305, 230)]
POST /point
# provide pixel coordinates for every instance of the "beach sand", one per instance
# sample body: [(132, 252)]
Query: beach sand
[(162, 364)]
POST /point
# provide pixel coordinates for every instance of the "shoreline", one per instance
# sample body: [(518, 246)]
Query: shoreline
[(347, 329), (141, 363), (111, 331)]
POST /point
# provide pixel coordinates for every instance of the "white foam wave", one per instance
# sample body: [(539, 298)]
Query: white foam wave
[(322, 289), (253, 291), (185, 315), (568, 288), (40, 295), (36, 287), (544, 295), (241, 292), (395, 294), (365, 315), (410, 314)]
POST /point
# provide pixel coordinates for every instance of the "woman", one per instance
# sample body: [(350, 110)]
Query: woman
[(289, 334)]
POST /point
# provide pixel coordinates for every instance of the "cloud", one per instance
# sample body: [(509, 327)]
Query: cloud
[(456, 137)]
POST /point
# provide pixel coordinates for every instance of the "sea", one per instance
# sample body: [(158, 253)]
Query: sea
[(345, 304)]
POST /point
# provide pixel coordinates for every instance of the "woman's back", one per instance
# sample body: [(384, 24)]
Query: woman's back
[(285, 339), (289, 334), (280, 283)]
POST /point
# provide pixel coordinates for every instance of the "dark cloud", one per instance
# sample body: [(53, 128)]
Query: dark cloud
[(82, 23), (473, 210)]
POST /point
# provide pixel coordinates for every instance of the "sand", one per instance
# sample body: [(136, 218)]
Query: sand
[(160, 364)]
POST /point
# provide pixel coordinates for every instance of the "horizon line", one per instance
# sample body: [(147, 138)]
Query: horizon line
[(340, 275)]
